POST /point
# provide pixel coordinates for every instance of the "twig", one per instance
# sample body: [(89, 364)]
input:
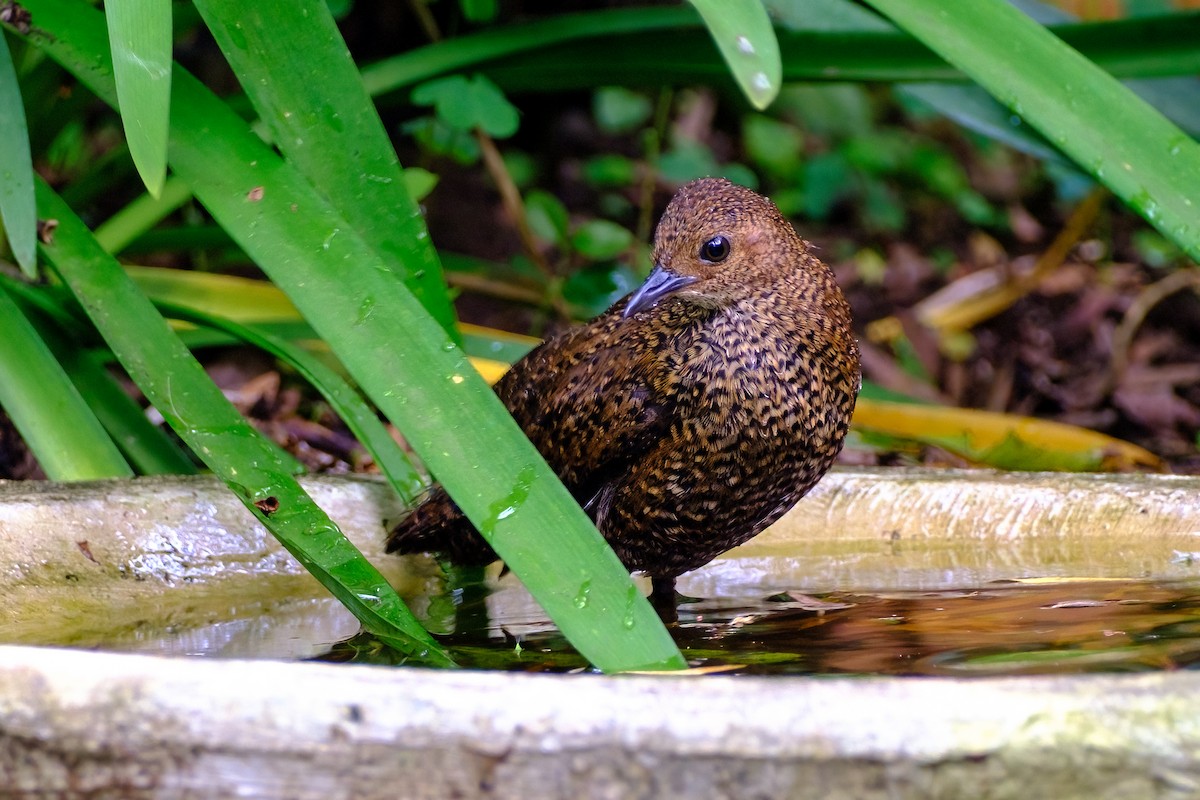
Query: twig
[(1149, 297), (428, 24), (494, 288), (510, 195), (970, 300), (662, 113)]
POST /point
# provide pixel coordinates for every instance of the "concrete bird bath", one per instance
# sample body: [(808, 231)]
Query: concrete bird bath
[(106, 562)]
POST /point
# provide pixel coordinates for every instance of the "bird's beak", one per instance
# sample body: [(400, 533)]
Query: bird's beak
[(660, 284)]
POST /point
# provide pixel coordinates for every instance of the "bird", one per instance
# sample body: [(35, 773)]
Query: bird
[(695, 411)]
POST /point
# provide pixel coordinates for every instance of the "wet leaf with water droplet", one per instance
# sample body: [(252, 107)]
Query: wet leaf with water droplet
[(746, 39), (511, 503)]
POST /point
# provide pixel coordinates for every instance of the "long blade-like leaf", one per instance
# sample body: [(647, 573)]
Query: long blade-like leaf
[(141, 215), (400, 356), (1107, 129), (195, 408), (657, 46), (56, 423), (140, 32), (743, 33), (272, 45), (16, 165), (340, 395)]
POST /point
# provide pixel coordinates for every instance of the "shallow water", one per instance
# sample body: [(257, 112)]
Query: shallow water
[(1004, 628)]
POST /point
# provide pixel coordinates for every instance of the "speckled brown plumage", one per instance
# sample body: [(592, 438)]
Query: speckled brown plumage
[(695, 412)]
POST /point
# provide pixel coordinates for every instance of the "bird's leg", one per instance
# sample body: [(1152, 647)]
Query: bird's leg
[(663, 598)]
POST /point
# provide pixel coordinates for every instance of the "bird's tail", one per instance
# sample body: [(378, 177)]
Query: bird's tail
[(437, 525)]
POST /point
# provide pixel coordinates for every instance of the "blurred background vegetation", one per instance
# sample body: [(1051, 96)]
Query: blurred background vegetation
[(1013, 312)]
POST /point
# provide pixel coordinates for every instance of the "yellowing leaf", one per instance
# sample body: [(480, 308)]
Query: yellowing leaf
[(1004, 441), (490, 369)]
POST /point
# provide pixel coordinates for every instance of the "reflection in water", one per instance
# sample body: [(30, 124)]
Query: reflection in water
[(1002, 628), (1008, 628)]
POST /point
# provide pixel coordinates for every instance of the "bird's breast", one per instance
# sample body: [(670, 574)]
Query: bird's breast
[(755, 386)]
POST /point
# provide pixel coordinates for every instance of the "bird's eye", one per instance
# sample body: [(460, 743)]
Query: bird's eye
[(715, 250)]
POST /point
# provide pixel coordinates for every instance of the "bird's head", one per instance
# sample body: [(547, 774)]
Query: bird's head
[(718, 241)]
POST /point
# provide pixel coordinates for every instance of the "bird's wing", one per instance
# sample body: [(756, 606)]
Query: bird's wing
[(591, 402)]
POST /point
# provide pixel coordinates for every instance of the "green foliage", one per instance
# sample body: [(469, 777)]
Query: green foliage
[(773, 145), (273, 211), (328, 214), (220, 436), (1120, 139), (742, 31), (618, 110), (467, 103), (47, 407), (610, 171), (688, 160), (140, 33), (436, 136), (600, 239), (594, 288), (16, 193), (547, 217), (419, 182), (479, 10)]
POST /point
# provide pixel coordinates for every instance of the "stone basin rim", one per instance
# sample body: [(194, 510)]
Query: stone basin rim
[(162, 727), (360, 729)]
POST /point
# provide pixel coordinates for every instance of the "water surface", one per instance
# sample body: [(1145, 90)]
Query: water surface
[(1004, 628)]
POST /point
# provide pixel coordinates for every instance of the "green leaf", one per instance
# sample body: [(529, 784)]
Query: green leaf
[(547, 217), (230, 296), (341, 396), (827, 179), (419, 182), (609, 171), (598, 286), (773, 145), (142, 215), (314, 115), (144, 445), (832, 110), (468, 103), (668, 46), (1117, 137), (689, 160), (825, 15), (194, 407), (16, 190), (398, 355), (743, 33), (494, 344), (599, 239), (619, 110), (140, 32), (478, 10), (882, 209), (1177, 98), (974, 108), (47, 409), (452, 55), (433, 134)]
